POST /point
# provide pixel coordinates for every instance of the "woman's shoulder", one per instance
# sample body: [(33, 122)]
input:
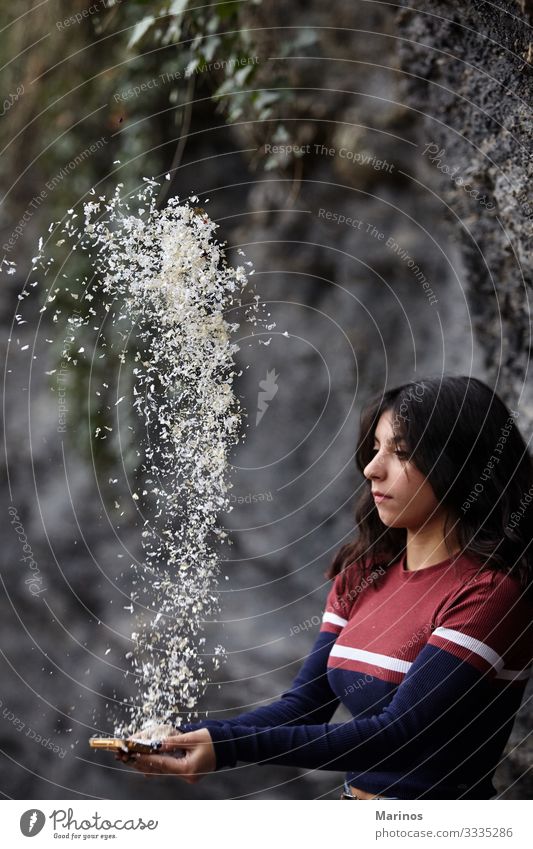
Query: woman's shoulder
[(492, 608), (361, 572), (351, 581), (480, 581)]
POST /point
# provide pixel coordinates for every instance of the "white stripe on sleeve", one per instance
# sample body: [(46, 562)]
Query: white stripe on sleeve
[(334, 619), (371, 657), (471, 644)]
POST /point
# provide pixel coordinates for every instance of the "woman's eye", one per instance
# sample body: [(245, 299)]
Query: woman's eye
[(403, 455), (397, 451)]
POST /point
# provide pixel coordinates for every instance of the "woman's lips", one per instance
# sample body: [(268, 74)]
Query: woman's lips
[(379, 497)]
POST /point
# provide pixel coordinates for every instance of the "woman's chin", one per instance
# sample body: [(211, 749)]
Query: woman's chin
[(390, 519)]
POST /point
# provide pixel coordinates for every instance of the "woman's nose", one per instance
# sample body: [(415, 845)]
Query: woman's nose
[(374, 469)]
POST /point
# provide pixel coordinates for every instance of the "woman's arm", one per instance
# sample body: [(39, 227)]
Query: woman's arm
[(310, 698), (441, 693)]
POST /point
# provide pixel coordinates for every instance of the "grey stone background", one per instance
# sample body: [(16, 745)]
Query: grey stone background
[(382, 83)]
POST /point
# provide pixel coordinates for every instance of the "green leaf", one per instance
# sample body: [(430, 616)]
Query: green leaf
[(209, 47), (140, 29), (241, 75), (192, 66), (264, 99), (177, 7), (227, 10)]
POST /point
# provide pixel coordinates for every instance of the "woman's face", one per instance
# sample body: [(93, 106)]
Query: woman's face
[(410, 502)]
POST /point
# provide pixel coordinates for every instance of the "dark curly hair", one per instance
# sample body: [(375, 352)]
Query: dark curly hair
[(465, 441)]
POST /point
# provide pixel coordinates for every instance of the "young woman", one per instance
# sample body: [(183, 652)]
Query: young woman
[(427, 630)]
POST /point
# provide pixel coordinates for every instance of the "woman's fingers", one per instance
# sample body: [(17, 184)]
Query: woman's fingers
[(181, 741), (162, 765), (148, 765), (189, 756)]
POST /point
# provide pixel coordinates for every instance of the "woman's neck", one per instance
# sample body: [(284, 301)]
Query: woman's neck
[(427, 546)]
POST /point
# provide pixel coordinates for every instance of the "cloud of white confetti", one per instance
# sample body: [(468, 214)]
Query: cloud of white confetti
[(163, 272)]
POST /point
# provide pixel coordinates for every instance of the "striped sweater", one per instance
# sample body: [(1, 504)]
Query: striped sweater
[(432, 665)]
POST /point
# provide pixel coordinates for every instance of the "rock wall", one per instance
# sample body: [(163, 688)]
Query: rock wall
[(468, 69)]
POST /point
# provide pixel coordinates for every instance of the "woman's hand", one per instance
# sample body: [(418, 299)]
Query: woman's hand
[(198, 759)]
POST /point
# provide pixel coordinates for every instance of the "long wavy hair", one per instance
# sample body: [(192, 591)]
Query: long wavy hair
[(465, 441)]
